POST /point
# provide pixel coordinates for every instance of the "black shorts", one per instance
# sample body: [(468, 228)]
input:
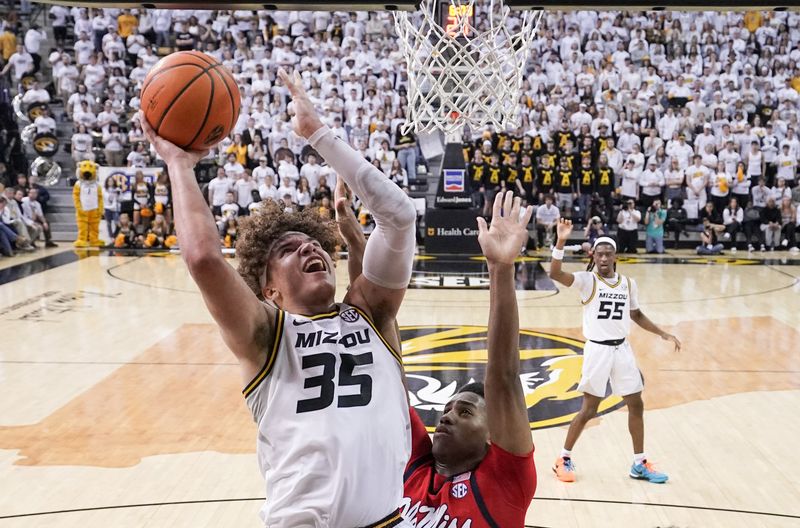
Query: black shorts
[(127, 208)]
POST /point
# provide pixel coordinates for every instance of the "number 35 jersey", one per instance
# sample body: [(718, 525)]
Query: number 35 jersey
[(607, 305), (333, 425)]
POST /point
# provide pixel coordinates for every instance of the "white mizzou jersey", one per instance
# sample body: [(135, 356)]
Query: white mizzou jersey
[(334, 434), (607, 305)]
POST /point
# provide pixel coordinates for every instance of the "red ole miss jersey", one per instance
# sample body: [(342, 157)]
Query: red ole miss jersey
[(496, 494)]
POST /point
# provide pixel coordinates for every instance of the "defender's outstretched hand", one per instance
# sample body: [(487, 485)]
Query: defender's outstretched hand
[(346, 220), (306, 121), (170, 152), (501, 242), (564, 228)]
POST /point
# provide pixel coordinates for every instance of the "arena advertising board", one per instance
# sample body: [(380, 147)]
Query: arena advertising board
[(451, 231)]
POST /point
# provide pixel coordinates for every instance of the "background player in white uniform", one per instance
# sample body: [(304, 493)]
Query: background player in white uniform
[(610, 303), (325, 389)]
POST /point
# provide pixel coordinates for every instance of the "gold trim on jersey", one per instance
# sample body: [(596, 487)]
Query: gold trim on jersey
[(394, 352), (270, 362), (594, 290), (393, 519), (326, 315), (619, 280), (630, 291)]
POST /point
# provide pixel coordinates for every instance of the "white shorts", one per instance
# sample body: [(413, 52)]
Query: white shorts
[(603, 363)]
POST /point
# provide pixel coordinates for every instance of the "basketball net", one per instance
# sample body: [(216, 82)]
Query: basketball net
[(463, 75)]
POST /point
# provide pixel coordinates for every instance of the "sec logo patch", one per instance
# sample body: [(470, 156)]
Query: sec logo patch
[(350, 315), (459, 491)]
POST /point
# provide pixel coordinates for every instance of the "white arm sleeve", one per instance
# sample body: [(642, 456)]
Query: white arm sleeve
[(390, 249)]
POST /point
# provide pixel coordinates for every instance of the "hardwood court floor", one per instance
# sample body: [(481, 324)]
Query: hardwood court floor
[(120, 407)]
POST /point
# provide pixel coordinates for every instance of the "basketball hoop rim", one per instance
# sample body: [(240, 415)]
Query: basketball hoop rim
[(474, 79)]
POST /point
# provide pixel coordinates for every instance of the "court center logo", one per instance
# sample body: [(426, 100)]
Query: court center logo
[(440, 359)]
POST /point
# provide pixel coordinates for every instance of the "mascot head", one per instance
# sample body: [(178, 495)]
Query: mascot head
[(87, 170)]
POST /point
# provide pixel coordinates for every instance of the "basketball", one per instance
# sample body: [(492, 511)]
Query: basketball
[(190, 99)]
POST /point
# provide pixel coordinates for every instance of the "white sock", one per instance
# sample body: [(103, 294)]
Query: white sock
[(639, 458), (566, 453)]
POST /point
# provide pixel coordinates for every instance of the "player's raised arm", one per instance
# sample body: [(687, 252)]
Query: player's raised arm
[(505, 402), (245, 323), (389, 253), (563, 229)]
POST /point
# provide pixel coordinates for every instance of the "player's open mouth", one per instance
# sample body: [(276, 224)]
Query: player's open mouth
[(314, 264)]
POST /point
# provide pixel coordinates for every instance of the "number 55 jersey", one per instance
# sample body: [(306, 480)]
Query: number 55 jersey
[(333, 426), (607, 305)]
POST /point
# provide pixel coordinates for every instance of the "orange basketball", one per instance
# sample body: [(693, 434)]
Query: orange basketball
[(190, 99)]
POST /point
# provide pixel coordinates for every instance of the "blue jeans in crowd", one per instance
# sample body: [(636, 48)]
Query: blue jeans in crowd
[(716, 249), (583, 205), (408, 160), (111, 217), (7, 237), (656, 244)]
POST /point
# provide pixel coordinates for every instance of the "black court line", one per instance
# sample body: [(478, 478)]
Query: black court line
[(110, 272), (552, 499), (795, 282), (232, 364), (734, 371), (523, 303), (676, 506), (116, 363), (32, 267), (695, 260)]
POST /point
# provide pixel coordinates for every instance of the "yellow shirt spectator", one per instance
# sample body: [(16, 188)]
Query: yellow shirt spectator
[(126, 23), (240, 151), (796, 83), (753, 20), (8, 44)]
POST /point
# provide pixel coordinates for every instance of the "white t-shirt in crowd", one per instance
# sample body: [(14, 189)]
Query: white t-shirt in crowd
[(547, 215), (217, 189)]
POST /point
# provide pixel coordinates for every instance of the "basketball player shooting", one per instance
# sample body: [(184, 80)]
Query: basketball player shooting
[(324, 386), (610, 303), (478, 470)]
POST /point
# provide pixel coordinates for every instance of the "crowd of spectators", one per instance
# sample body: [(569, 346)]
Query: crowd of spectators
[(630, 119), (656, 120), (349, 63), (23, 223), (102, 57), (23, 200)]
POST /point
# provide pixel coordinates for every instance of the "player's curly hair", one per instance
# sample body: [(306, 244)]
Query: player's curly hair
[(258, 231)]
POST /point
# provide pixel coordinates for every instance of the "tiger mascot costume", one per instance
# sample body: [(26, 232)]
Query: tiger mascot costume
[(87, 194)]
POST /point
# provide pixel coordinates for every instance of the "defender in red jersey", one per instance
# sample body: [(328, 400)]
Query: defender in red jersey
[(478, 470)]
